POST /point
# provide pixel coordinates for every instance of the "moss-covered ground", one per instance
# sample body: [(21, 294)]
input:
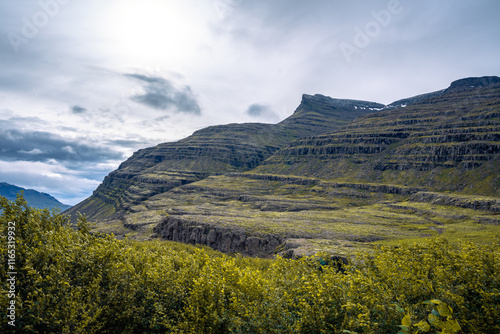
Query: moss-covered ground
[(323, 215)]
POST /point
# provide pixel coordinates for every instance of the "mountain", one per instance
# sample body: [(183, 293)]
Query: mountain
[(449, 142), (33, 197), (211, 151), (318, 114), (337, 176)]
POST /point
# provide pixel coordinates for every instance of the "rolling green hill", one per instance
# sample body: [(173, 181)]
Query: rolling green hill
[(337, 176)]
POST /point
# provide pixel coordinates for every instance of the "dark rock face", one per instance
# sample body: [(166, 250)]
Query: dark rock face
[(468, 83), (460, 201), (318, 114), (224, 239)]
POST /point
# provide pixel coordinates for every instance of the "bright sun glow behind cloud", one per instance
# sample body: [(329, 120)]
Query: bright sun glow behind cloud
[(163, 31)]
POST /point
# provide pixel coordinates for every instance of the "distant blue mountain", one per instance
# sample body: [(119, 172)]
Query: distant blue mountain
[(34, 198)]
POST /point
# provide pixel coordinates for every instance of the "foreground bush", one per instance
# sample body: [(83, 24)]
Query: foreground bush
[(72, 281)]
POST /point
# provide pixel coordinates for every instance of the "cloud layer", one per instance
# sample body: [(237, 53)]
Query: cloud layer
[(44, 146)]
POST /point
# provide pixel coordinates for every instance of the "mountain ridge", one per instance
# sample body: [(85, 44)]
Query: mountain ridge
[(34, 198), (454, 128)]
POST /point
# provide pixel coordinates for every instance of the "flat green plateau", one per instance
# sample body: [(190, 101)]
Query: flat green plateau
[(312, 215)]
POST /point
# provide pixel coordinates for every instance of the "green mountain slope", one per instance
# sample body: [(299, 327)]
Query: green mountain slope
[(449, 142), (34, 198), (213, 150)]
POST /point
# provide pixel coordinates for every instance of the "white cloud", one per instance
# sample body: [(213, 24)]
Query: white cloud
[(68, 149), (34, 151)]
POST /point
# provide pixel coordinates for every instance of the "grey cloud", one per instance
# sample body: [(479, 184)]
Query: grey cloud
[(256, 110), (161, 94), (16, 121), (45, 146), (128, 143), (144, 78), (261, 111), (78, 110)]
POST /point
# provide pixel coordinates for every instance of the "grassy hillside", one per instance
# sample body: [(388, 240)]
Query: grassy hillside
[(264, 215), (73, 281)]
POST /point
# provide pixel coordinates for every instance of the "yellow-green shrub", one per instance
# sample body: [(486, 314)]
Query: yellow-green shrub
[(73, 281)]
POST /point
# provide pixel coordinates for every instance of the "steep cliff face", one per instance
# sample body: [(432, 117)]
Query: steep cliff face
[(224, 239), (318, 114), (450, 141), (213, 150)]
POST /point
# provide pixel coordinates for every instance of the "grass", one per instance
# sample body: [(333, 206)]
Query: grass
[(340, 220)]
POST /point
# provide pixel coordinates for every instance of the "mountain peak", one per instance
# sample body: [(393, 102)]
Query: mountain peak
[(339, 103), (255, 188), (473, 82)]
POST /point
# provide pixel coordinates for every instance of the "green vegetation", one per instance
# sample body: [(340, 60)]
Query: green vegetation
[(315, 215), (73, 281)]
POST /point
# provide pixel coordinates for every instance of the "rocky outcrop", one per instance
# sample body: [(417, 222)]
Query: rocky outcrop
[(224, 239), (318, 114), (470, 202), (375, 188), (468, 83), (123, 189), (281, 178)]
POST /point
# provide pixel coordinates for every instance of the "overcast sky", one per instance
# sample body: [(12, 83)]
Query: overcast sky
[(85, 83)]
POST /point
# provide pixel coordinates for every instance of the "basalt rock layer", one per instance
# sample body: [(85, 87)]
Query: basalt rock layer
[(224, 239), (450, 141)]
